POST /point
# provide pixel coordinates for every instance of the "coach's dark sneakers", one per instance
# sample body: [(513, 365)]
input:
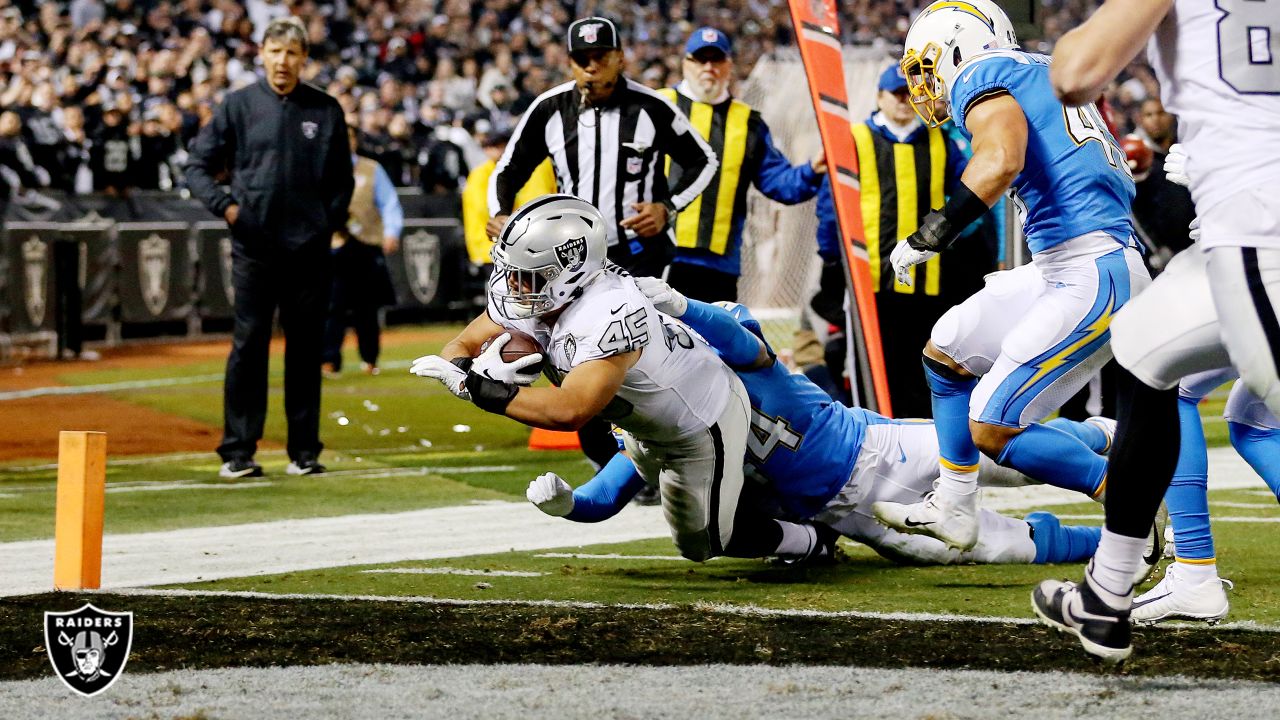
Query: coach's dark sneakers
[(648, 495), (240, 467), (304, 466), (1068, 607)]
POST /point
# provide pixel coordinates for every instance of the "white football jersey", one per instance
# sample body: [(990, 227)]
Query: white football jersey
[(678, 386), (1218, 63)]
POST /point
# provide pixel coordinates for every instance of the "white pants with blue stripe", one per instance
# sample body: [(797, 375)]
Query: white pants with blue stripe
[(898, 463), (1037, 333)]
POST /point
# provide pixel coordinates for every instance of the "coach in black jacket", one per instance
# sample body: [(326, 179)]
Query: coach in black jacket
[(609, 139), (284, 146)]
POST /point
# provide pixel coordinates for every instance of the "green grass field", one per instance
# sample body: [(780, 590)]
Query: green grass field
[(397, 443)]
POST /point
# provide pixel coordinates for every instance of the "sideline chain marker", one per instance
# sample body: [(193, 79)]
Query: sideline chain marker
[(82, 479)]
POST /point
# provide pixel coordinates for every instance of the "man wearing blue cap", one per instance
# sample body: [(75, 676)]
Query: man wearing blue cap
[(906, 169), (709, 231)]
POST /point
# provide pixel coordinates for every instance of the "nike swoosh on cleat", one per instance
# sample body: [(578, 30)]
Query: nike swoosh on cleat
[(902, 453), (1148, 602), (912, 523)]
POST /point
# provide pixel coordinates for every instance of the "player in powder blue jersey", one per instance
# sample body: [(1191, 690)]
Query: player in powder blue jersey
[(814, 459), (1008, 356)]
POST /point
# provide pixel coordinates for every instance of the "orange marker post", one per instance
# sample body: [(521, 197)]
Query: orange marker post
[(82, 481)]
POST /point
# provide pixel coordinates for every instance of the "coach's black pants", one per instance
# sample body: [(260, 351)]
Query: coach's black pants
[(361, 285), (699, 282), (297, 282)]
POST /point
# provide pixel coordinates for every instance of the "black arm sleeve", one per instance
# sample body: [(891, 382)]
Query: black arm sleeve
[(339, 178), (526, 150), (211, 153), (698, 162)]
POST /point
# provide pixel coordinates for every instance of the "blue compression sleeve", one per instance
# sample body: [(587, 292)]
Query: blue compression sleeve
[(736, 345), (1259, 447), (1055, 458), (1088, 433), (1058, 543), (604, 495), (951, 416), (1188, 494)]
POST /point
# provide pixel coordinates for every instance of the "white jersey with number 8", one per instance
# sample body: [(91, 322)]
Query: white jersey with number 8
[(1218, 63), (678, 387)]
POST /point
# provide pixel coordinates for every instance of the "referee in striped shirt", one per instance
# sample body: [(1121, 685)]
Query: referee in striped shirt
[(608, 139)]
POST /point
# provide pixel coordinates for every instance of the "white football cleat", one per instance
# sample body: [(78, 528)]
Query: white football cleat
[(953, 520), (1176, 597)]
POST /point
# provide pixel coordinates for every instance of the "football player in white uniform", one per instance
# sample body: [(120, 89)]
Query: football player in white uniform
[(611, 354), (1218, 301)]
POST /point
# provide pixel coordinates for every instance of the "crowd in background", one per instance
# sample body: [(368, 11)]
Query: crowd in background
[(105, 95)]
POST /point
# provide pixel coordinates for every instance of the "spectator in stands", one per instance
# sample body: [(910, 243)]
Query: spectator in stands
[(361, 282), (111, 153), (709, 233), (285, 146)]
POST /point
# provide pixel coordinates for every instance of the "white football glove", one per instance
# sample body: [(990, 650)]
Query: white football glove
[(904, 257), (665, 299), (1175, 166), (1194, 227), (551, 494), (451, 376), (491, 365)]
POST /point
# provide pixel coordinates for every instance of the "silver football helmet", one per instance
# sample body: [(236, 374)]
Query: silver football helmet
[(549, 250)]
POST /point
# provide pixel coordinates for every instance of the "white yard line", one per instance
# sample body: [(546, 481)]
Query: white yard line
[(456, 571), (1215, 518), (210, 553), (608, 556)]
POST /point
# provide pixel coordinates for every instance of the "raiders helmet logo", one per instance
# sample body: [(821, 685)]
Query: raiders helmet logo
[(153, 272), (590, 32), (88, 647), (309, 129), (422, 255), (36, 272), (572, 253)]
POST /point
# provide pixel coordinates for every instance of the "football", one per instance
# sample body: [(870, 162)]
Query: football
[(1138, 154), (518, 346)]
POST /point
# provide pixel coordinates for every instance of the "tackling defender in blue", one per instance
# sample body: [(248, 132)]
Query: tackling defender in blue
[(814, 459), (1001, 361)]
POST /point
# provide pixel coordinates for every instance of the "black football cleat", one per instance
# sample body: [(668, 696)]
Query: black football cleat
[(1067, 607)]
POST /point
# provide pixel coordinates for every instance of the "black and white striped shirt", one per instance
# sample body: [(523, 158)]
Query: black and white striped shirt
[(611, 155)]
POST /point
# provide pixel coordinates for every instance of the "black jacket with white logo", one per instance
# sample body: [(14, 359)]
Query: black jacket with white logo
[(289, 164), (611, 155)]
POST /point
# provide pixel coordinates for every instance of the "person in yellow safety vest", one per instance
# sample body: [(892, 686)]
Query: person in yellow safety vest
[(475, 198), (708, 232), (905, 170)]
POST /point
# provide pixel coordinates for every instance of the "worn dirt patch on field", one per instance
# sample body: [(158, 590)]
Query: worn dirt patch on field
[(210, 632)]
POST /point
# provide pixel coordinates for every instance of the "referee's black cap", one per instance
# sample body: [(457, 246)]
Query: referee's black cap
[(593, 32)]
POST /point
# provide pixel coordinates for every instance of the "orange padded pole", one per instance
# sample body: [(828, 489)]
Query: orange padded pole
[(82, 480)]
